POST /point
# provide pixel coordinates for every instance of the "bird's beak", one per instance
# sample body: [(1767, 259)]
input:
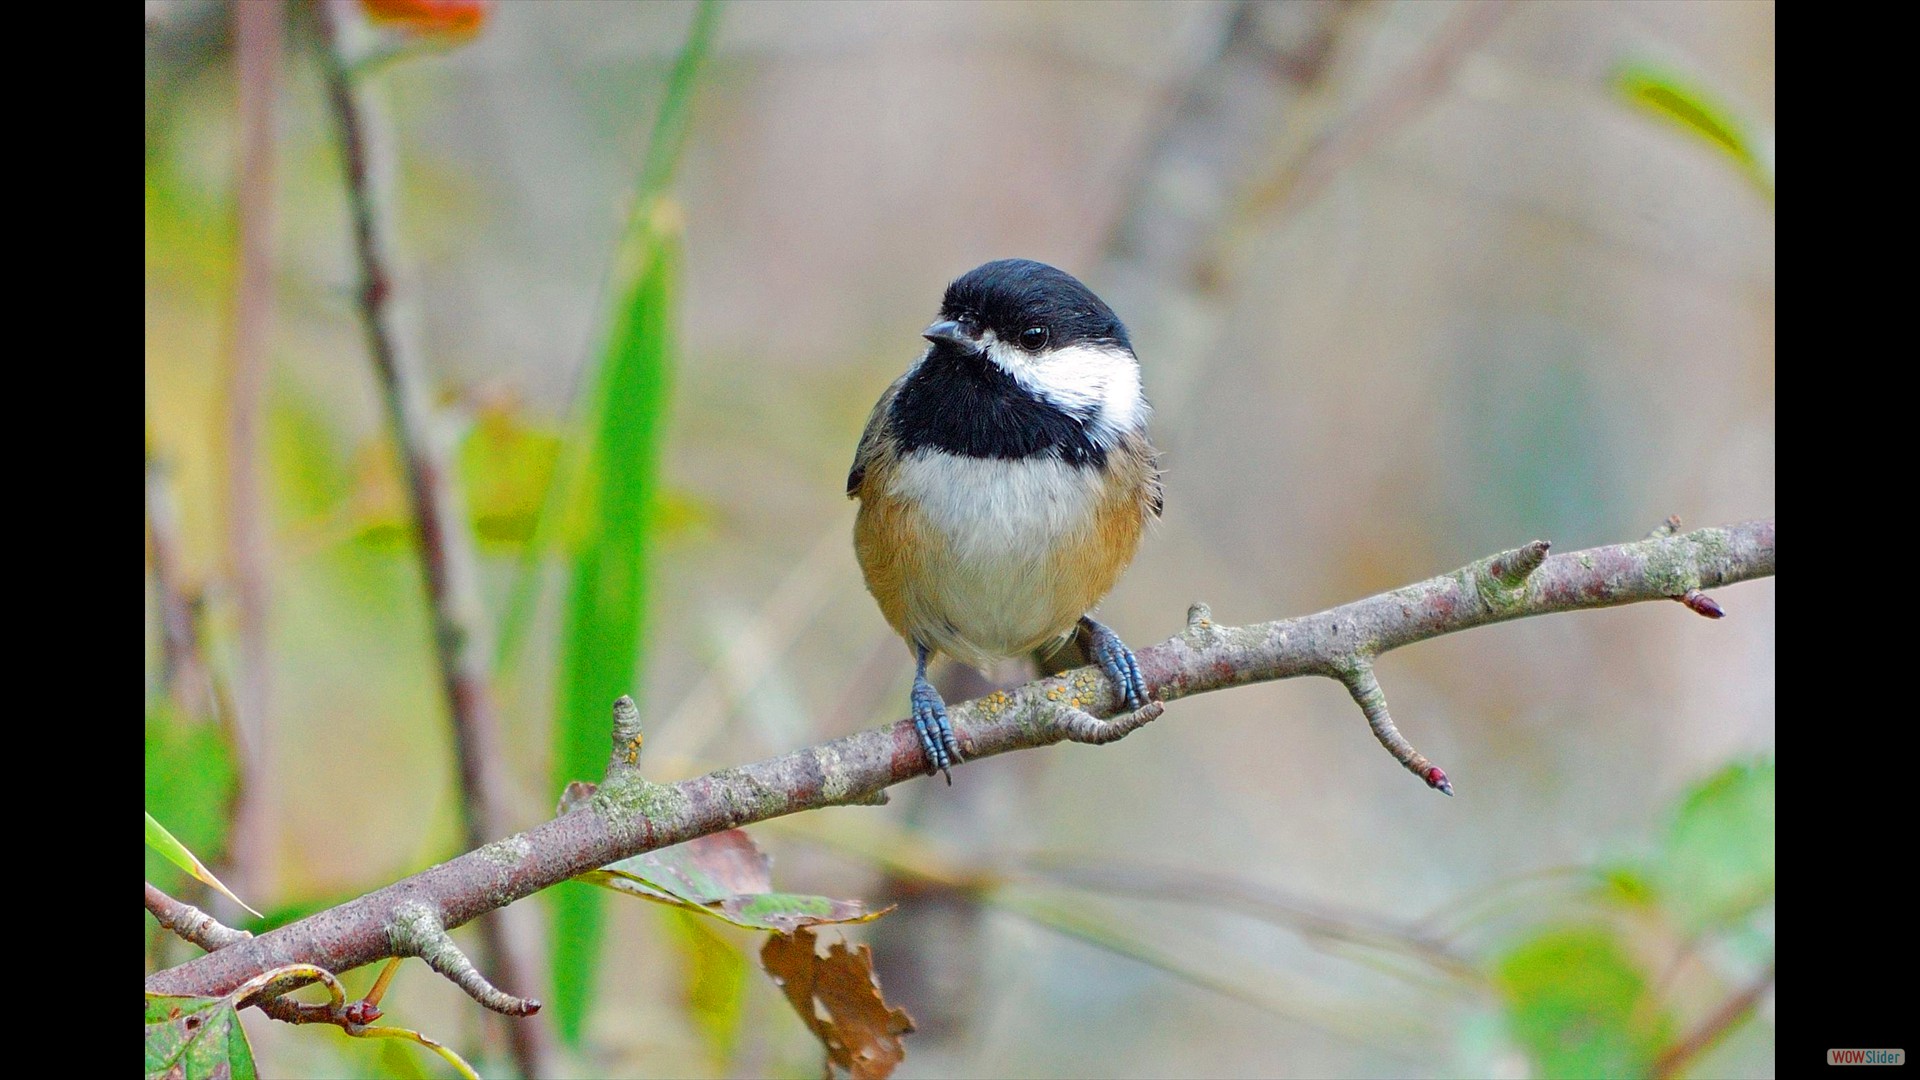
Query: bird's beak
[(951, 333)]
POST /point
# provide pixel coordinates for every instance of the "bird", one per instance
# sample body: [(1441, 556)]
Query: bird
[(1004, 482)]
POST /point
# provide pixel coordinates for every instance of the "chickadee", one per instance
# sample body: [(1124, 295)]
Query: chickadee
[(1004, 481)]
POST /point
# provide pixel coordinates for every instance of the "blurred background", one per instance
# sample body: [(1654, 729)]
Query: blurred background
[(1410, 283)]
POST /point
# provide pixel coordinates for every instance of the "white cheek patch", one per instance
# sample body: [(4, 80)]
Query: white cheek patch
[(1098, 382)]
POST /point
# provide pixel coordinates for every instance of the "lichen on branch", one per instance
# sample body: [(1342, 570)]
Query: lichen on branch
[(637, 816)]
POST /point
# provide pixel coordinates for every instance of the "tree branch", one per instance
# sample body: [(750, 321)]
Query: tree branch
[(1674, 1059), (629, 815), (1409, 90), (446, 555), (190, 922), (259, 33), (446, 552)]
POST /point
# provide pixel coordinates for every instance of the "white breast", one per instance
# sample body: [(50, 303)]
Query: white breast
[(999, 519)]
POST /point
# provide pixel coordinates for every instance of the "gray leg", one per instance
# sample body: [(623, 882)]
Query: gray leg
[(930, 719), (1105, 648)]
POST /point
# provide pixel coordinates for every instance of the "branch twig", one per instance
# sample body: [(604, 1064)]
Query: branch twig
[(1164, 259), (1723, 1020), (446, 554), (628, 815), (1359, 680), (1410, 89), (448, 558), (353, 1017), (417, 931), (190, 923), (1695, 601), (183, 670), (258, 32)]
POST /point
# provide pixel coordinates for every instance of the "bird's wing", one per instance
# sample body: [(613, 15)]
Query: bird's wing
[(870, 438), (1143, 457)]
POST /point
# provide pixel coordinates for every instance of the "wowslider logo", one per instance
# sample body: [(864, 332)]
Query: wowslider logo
[(1866, 1057)]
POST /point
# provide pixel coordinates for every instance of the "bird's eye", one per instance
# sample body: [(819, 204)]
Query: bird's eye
[(1033, 338)]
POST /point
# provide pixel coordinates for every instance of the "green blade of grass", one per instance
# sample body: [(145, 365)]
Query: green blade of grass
[(606, 596), (1683, 102), (175, 852), (605, 609), (656, 173)]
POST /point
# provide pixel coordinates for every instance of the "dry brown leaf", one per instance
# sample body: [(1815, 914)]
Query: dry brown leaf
[(860, 1030)]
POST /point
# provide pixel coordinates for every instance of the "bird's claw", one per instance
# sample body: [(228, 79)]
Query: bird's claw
[(1118, 662), (930, 722)]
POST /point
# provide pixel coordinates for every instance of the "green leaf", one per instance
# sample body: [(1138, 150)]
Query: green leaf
[(604, 617), (787, 912), (399, 1063), (706, 869), (1580, 1006), (506, 465), (191, 1037), (1627, 887), (190, 778), (446, 1053), (162, 841), (774, 912), (310, 473), (1683, 102), (726, 876), (189, 223), (1716, 865), (713, 982)]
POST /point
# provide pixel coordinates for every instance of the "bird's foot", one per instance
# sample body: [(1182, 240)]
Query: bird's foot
[(935, 731), (1106, 649)]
